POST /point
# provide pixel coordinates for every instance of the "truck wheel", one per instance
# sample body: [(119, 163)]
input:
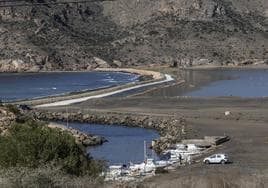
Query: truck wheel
[(206, 161), (223, 162)]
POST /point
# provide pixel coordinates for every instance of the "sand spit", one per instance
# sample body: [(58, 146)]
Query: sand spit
[(157, 77)]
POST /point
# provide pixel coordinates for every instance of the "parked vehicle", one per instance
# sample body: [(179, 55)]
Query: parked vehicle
[(217, 158)]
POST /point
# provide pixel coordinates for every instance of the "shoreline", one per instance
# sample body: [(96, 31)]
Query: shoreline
[(171, 129), (82, 99), (156, 77), (81, 138), (151, 72), (141, 72), (219, 67)]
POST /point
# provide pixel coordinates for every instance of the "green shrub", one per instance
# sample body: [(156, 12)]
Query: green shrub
[(32, 144)]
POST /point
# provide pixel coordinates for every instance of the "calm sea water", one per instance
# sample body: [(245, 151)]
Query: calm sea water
[(124, 144), (243, 83), (34, 85)]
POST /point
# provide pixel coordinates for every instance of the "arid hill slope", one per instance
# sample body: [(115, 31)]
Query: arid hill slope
[(134, 32)]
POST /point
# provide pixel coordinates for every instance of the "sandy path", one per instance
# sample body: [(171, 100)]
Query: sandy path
[(168, 78)]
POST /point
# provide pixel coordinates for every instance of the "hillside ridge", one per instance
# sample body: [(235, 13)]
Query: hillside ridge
[(126, 33)]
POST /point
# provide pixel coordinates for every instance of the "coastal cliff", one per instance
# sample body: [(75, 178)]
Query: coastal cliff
[(84, 36)]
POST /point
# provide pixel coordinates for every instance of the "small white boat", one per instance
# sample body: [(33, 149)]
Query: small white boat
[(161, 163), (147, 166), (182, 152)]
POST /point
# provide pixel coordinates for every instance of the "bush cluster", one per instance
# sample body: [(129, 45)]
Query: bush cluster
[(32, 144)]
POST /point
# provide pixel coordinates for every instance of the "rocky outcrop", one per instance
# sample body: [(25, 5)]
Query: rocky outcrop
[(18, 65), (80, 137), (6, 119), (172, 130)]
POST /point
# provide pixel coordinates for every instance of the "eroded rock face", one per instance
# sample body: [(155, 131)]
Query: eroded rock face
[(6, 119), (15, 13), (18, 65)]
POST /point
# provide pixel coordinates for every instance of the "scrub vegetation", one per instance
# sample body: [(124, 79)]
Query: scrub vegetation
[(33, 155)]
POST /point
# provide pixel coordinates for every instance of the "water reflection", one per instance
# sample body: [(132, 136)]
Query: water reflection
[(247, 83), (221, 82), (194, 80)]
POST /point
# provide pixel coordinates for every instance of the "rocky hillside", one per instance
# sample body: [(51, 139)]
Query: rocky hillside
[(78, 36)]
